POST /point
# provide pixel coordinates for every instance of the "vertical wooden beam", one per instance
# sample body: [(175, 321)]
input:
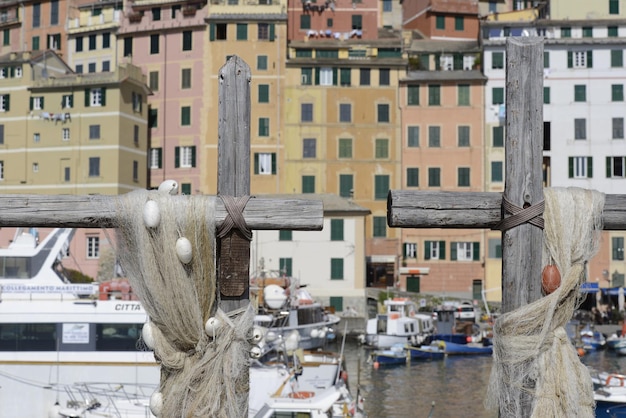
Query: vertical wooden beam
[(521, 246), (233, 179)]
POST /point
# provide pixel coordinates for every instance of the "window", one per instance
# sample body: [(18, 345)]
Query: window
[(383, 113), (36, 15), (617, 92), (434, 95), (434, 177), (93, 247), (381, 186), (465, 251), (326, 76), (265, 163), (384, 78), (264, 93), (305, 21), (613, 7), (546, 59), (434, 136), (35, 43), (266, 31), (412, 177), (566, 32), (286, 266), (92, 67), (264, 126), (382, 148), (580, 128), (261, 62), (345, 77), (413, 95), (617, 58), (66, 174), (79, 44), (458, 23), (306, 76), (128, 46), (185, 157), (580, 167), (92, 42), (285, 235), (434, 250), (154, 80), (409, 250), (185, 116), (156, 158), (346, 185), (336, 268), (497, 60), (580, 59), (546, 95), (1, 170), (494, 248), (1, 134), (185, 189), (440, 22), (106, 66), (136, 134), (94, 131), (463, 95), (54, 12), (106, 40), (156, 14), (364, 76), (306, 112), (308, 184), (94, 166), (357, 22), (580, 93), (36, 103), (497, 171), (154, 44), (345, 112), (309, 146), (497, 95), (5, 102), (498, 136), (345, 148), (135, 170), (185, 78), (413, 134), (618, 128), (95, 97), (242, 31), (463, 176), (464, 136), (587, 32), (137, 102), (617, 244), (187, 40), (612, 31), (36, 137), (380, 226), (217, 31), (6, 37), (615, 167), (153, 118), (66, 134)]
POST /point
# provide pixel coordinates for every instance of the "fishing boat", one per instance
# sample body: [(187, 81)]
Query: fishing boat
[(391, 356), (284, 305), (433, 351), (454, 349), (609, 394), (399, 324), (54, 333)]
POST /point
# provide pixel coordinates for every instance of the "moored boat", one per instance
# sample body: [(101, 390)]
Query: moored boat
[(392, 356), (433, 351), (453, 349)]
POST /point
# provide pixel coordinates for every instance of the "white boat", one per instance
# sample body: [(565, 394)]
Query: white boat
[(609, 394), (54, 334), (285, 306), (400, 324)]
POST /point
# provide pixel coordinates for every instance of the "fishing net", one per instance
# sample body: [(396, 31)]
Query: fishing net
[(203, 369), (533, 354)]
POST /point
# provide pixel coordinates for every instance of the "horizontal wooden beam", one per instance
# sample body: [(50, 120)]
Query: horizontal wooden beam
[(98, 211), (470, 210)]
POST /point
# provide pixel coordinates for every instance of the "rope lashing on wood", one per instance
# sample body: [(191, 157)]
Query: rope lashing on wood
[(531, 214), (234, 207)]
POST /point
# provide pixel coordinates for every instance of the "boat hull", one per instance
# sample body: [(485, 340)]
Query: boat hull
[(427, 352)]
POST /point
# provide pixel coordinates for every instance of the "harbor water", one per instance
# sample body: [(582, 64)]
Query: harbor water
[(450, 388)]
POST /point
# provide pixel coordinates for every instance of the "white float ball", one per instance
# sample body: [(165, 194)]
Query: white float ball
[(151, 214), (183, 250), (315, 333), (211, 326), (257, 335), (255, 352), (55, 411), (270, 336), (156, 403), (147, 334), (322, 334), (169, 186)]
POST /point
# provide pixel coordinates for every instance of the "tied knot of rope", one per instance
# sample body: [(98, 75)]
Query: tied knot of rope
[(234, 217), (532, 214)]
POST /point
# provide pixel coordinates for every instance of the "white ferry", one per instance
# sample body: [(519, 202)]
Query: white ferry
[(54, 335)]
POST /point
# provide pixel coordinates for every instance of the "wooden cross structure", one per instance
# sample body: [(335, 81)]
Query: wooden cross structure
[(233, 247), (521, 245)]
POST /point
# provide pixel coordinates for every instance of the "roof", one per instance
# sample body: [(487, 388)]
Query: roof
[(334, 205), (240, 17), (458, 75), (430, 45)]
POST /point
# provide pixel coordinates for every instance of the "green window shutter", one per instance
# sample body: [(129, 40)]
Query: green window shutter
[(337, 303), (176, 157), (285, 235), (273, 163), (7, 102), (442, 250), (272, 31), (212, 32), (334, 76), (336, 268), (336, 229), (589, 59), (608, 167), (589, 167), (570, 164), (71, 100), (426, 250), (546, 95), (317, 76), (453, 249), (87, 101), (570, 59), (256, 163), (103, 102), (345, 185), (43, 106), (264, 93), (32, 103), (476, 251), (193, 156), (160, 157)]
